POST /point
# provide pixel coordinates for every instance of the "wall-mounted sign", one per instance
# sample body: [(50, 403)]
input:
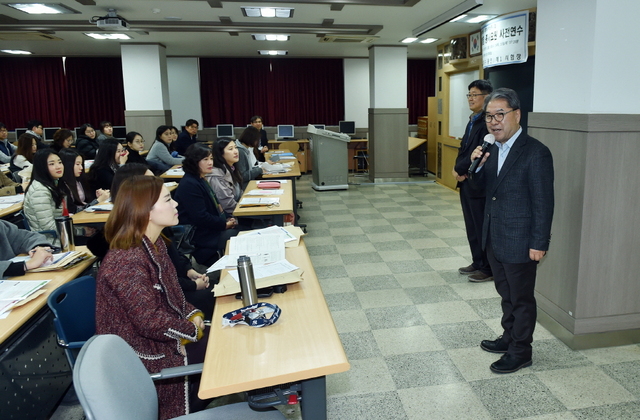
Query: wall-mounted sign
[(504, 40)]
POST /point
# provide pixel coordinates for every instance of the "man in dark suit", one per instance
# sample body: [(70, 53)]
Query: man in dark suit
[(517, 175), (472, 200)]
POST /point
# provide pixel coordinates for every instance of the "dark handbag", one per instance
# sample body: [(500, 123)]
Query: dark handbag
[(183, 238)]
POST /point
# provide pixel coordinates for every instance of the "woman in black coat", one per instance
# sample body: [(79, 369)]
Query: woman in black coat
[(198, 206)]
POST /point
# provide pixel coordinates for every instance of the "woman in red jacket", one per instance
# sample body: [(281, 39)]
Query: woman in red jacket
[(138, 296)]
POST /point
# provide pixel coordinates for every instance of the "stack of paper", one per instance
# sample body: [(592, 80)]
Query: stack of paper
[(61, 261), (10, 200), (13, 292)]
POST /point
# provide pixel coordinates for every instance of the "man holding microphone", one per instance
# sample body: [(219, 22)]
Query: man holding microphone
[(517, 175)]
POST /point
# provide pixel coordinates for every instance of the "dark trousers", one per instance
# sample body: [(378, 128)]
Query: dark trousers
[(473, 212), (515, 284)]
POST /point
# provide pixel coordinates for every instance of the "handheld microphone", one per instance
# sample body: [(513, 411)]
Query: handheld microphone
[(489, 139)]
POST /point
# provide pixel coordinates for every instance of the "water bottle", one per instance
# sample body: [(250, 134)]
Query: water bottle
[(247, 281), (64, 225)]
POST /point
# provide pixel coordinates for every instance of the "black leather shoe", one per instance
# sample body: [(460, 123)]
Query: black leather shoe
[(509, 364), (468, 270), (494, 346)]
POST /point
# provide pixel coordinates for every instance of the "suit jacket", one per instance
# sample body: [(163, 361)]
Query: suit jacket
[(474, 138), (519, 205)]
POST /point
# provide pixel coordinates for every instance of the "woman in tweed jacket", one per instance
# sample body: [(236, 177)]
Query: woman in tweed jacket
[(138, 296)]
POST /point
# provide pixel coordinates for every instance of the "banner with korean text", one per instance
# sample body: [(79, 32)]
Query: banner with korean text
[(504, 40)]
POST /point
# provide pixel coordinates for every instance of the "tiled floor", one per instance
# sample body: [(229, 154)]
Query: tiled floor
[(387, 258)]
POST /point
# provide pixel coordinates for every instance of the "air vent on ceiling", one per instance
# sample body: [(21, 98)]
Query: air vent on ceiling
[(27, 36), (361, 39)]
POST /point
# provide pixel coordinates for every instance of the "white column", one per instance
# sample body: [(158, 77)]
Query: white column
[(146, 88), (184, 89)]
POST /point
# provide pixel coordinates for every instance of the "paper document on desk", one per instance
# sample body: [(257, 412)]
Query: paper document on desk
[(259, 201), (262, 249), (229, 286), (100, 208), (13, 291), (273, 169), (265, 192), (175, 172), (273, 230), (10, 200)]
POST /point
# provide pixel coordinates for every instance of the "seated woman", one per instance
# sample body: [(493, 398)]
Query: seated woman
[(159, 156), (196, 287), (109, 158), (62, 139), (248, 165), (80, 196), (14, 241), (137, 293), (106, 132), (44, 197), (225, 179), (200, 208), (135, 145), (27, 147), (87, 144)]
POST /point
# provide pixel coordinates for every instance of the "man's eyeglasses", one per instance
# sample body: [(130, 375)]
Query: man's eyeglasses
[(473, 95), (498, 116)]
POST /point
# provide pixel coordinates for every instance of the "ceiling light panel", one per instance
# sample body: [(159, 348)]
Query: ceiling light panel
[(429, 40), (270, 37), (273, 52), (16, 52), (42, 8), (108, 36), (267, 12)]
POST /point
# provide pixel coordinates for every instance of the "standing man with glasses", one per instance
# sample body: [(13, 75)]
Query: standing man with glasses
[(517, 175), (471, 200)]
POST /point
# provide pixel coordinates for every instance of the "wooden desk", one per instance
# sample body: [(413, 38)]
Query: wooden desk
[(35, 372), (276, 212), (11, 210), (304, 155), (302, 346), (20, 315), (87, 218)]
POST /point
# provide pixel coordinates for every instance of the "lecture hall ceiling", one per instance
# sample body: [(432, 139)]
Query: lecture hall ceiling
[(219, 28)]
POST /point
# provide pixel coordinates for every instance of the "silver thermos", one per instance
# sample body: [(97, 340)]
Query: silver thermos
[(64, 225), (247, 281)]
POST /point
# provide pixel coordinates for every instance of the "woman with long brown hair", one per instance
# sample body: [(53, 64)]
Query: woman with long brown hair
[(138, 296)]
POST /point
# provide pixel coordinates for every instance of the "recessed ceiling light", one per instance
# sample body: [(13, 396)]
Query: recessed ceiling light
[(409, 40), (108, 36), (16, 52), (478, 18), (273, 52), (42, 8), (457, 18), (270, 37), (279, 12), (429, 40)]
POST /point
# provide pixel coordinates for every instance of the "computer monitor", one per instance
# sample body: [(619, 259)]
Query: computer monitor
[(120, 132), (49, 132), (320, 126), (20, 131), (285, 132), (224, 130), (347, 127)]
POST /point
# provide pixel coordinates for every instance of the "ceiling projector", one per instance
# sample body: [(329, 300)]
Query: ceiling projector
[(111, 22)]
